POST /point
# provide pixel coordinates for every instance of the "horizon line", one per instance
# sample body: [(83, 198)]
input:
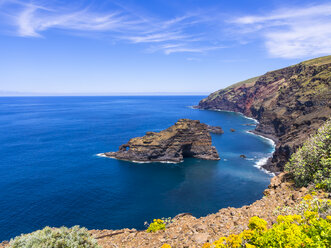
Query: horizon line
[(31, 94)]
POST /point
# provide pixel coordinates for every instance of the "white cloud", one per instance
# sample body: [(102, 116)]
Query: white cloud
[(32, 19), (157, 37), (292, 32)]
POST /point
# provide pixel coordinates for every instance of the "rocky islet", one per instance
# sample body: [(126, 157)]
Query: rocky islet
[(186, 138)]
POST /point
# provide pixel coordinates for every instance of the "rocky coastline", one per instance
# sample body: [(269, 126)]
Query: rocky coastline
[(186, 138), (288, 114), (186, 231), (290, 104)]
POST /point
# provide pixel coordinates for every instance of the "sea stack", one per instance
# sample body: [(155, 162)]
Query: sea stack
[(186, 138)]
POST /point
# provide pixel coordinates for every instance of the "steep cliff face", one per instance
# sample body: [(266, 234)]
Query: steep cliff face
[(187, 138), (290, 104)]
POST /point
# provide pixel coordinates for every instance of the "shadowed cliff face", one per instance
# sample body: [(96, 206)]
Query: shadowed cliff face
[(187, 138), (290, 104)]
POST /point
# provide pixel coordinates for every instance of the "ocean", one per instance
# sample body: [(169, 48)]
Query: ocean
[(50, 174)]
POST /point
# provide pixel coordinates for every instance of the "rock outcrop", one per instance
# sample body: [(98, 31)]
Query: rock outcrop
[(290, 104), (215, 129), (187, 138)]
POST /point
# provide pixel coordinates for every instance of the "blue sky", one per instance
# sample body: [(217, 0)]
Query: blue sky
[(135, 46)]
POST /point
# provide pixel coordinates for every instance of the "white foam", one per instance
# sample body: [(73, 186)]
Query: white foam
[(260, 163), (270, 141), (250, 118), (102, 155), (264, 160), (229, 111), (148, 162), (138, 162)]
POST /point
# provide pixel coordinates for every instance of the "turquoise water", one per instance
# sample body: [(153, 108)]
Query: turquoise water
[(50, 174)]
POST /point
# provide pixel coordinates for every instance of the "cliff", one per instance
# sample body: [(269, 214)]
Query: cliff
[(187, 138), (290, 104)]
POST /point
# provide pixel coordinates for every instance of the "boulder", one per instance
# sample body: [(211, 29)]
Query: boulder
[(215, 129)]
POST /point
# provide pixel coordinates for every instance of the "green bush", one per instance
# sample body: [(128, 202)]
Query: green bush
[(312, 162), (63, 237), (158, 224)]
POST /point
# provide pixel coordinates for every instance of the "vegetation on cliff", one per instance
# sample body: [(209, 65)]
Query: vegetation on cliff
[(298, 114), (158, 224), (309, 225), (307, 230), (63, 237), (312, 162)]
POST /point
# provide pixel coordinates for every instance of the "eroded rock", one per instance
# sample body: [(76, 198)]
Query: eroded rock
[(215, 129), (187, 138)]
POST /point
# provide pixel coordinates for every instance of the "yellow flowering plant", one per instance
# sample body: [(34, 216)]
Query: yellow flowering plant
[(158, 224), (307, 229)]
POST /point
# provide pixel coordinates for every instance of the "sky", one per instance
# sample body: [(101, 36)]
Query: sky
[(153, 46)]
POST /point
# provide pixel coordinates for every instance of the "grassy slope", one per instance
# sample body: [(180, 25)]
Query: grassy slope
[(312, 62)]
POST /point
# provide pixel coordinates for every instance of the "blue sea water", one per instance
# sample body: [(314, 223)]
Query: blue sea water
[(50, 174)]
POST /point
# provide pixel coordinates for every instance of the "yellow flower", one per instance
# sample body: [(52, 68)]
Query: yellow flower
[(206, 245), (309, 215), (258, 224), (308, 197), (247, 234), (165, 246)]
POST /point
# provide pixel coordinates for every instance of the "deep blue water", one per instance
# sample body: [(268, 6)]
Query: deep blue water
[(50, 174)]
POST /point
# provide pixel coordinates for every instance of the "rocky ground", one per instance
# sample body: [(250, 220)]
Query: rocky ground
[(188, 231)]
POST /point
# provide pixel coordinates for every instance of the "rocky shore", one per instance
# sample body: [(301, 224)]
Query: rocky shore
[(186, 138), (290, 104), (186, 231)]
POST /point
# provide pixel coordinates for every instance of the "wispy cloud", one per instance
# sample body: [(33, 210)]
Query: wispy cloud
[(157, 37), (32, 19), (291, 32)]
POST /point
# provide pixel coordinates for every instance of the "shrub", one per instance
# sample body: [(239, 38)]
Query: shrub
[(309, 203), (290, 231), (158, 224), (312, 162), (63, 237)]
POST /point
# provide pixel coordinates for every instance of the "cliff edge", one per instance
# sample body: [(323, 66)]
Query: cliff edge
[(290, 104)]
